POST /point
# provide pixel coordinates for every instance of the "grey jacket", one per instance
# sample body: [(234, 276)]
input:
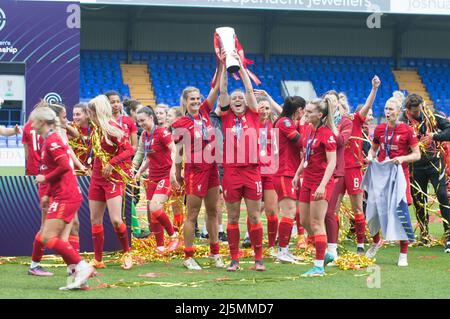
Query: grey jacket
[(387, 207)]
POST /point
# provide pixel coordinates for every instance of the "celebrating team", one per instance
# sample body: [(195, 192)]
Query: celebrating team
[(299, 165)]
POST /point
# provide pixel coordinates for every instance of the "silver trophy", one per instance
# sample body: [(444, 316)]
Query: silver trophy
[(228, 43)]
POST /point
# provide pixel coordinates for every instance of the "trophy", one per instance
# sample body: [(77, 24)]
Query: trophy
[(227, 41)]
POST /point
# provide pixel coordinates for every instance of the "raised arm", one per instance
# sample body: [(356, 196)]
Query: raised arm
[(371, 98), (275, 106), (224, 98), (249, 93), (214, 92), (9, 131)]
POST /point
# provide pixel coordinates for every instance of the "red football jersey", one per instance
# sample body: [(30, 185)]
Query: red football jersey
[(345, 130), (128, 125), (34, 142), (323, 141), (158, 152), (354, 148), (240, 135), (66, 187), (120, 153), (266, 141), (400, 139), (200, 148), (288, 149)]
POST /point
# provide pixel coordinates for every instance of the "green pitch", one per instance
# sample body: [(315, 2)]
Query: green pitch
[(428, 276), (13, 171)]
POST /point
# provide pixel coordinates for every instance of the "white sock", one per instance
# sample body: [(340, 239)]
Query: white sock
[(220, 228), (360, 245), (81, 264), (204, 230), (332, 249), (160, 247), (403, 256), (284, 249), (246, 235), (318, 263), (34, 264)]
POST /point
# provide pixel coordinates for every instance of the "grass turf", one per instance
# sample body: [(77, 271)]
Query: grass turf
[(428, 276)]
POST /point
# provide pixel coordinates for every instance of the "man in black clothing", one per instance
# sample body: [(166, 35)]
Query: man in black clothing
[(431, 128)]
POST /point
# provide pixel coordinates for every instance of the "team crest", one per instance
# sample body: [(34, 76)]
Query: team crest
[(287, 123)]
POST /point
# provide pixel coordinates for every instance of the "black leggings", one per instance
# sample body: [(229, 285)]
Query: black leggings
[(420, 178)]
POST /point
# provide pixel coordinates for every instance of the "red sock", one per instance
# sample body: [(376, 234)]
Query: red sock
[(162, 218), (360, 227), (189, 252), (214, 248), (177, 221), (337, 223), (331, 226), (256, 237), (63, 248), (122, 234), (321, 246), (310, 240), (272, 227), (234, 237), (157, 230), (376, 238), (300, 229), (404, 246), (98, 237), (75, 242), (284, 231), (38, 249)]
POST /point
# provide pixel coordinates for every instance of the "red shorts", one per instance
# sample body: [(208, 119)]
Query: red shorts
[(63, 210), (284, 188), (242, 182), (199, 182), (158, 187), (267, 182), (307, 192), (102, 190), (353, 180)]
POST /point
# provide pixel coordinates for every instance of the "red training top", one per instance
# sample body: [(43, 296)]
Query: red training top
[(34, 142), (197, 134), (158, 152), (345, 130), (354, 157), (57, 167), (289, 147), (240, 136), (400, 138)]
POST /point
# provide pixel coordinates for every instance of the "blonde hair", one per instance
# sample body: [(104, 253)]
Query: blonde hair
[(184, 96), (399, 95), (396, 101), (41, 103), (163, 106), (177, 111), (100, 105), (325, 106), (344, 103)]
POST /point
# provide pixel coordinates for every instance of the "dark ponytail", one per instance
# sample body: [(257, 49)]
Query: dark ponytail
[(291, 105), (149, 111)]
